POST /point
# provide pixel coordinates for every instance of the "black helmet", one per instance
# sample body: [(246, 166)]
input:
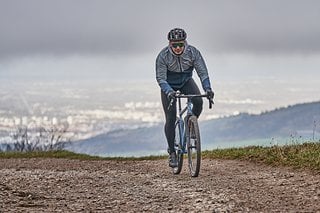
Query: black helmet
[(177, 34)]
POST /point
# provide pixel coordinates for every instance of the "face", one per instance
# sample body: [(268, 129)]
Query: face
[(177, 47)]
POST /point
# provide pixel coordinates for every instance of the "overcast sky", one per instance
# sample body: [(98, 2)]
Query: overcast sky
[(106, 33), (131, 27)]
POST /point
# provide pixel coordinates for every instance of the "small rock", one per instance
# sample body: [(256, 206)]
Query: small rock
[(199, 200)]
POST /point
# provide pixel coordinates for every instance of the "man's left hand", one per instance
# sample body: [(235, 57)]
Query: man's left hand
[(210, 94)]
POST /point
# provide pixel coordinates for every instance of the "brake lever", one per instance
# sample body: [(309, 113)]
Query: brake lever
[(170, 104), (211, 102)]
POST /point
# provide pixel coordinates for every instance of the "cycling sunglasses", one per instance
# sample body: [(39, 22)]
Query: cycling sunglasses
[(175, 45)]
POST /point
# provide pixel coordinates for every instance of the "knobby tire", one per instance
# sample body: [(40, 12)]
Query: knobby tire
[(193, 146), (178, 149)]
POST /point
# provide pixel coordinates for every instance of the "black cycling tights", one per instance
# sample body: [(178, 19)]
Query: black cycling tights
[(190, 88)]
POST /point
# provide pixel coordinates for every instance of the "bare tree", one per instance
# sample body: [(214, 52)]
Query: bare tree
[(26, 139)]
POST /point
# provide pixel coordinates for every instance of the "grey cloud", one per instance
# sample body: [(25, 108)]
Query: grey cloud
[(134, 27)]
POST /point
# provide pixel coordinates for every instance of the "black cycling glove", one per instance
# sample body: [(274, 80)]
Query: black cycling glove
[(172, 95), (210, 94)]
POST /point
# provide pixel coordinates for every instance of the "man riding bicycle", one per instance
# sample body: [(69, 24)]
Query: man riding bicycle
[(174, 69)]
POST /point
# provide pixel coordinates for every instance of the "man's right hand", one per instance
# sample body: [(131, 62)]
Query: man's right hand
[(171, 95)]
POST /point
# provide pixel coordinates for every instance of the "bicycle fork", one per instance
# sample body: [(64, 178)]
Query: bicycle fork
[(189, 113), (183, 125)]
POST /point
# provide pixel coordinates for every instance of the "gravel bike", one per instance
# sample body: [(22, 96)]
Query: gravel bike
[(187, 135)]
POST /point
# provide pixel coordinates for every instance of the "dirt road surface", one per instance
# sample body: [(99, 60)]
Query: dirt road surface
[(62, 185)]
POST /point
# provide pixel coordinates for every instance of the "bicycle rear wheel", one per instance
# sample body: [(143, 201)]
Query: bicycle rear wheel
[(178, 148), (193, 146)]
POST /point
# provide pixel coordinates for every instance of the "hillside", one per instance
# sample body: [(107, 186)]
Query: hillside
[(141, 141), (295, 121)]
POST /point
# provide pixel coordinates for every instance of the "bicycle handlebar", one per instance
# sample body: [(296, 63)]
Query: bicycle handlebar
[(179, 95), (189, 96)]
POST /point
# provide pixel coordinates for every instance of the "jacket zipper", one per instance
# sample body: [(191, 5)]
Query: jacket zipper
[(180, 65)]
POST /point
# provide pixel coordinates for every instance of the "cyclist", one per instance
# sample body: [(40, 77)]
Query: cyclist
[(174, 69)]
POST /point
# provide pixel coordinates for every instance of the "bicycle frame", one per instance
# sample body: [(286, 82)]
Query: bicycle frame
[(181, 112), (184, 124)]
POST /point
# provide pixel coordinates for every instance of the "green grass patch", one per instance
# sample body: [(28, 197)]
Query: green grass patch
[(301, 156), (306, 155), (47, 154), (70, 155)]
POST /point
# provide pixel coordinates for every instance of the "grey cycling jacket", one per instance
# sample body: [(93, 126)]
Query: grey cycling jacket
[(173, 71)]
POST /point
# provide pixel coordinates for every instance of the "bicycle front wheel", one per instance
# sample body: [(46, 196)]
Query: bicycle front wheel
[(178, 148), (193, 146)]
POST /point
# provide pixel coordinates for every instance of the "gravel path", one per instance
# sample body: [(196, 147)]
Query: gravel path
[(62, 185)]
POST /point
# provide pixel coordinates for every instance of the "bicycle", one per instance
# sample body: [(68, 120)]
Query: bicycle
[(187, 135)]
